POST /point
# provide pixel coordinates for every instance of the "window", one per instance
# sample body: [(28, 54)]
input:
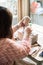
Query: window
[(10, 4)]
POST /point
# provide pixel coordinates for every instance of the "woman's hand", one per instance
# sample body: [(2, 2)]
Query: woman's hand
[(24, 22), (27, 32)]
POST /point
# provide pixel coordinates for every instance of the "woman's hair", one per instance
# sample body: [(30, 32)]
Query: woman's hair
[(5, 23)]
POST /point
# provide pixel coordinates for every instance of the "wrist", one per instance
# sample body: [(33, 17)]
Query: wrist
[(26, 37), (17, 27)]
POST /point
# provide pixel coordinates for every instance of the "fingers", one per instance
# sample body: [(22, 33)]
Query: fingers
[(25, 20), (28, 30)]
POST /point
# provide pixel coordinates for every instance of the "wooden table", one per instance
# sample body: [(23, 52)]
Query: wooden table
[(36, 58)]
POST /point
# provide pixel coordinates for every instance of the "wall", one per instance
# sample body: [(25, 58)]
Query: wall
[(37, 19)]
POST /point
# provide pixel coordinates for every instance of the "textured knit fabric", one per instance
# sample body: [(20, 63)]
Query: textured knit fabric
[(11, 51)]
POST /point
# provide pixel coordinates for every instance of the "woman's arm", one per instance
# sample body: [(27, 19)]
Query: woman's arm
[(21, 49), (15, 27), (11, 50)]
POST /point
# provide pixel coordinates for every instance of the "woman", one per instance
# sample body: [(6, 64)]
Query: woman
[(11, 51)]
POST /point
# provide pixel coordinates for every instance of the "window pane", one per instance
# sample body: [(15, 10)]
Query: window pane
[(12, 6)]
